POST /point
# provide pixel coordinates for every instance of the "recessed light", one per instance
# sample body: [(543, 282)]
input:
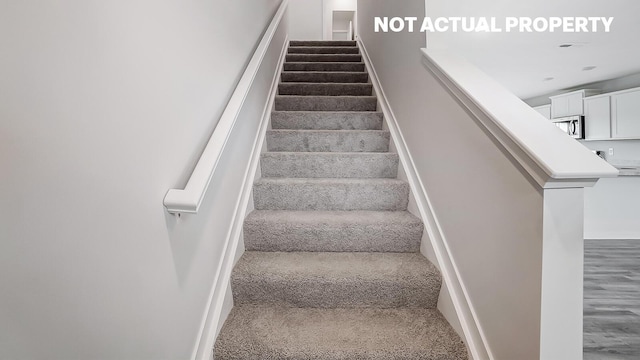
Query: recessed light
[(588, 68), (566, 45), (547, 79)]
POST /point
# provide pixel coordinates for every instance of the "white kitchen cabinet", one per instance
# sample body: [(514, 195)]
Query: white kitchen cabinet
[(570, 103), (625, 114), (597, 117), (544, 110)]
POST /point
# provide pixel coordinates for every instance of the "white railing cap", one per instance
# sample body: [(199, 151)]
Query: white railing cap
[(551, 157)]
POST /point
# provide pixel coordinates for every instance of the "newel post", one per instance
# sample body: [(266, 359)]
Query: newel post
[(561, 310)]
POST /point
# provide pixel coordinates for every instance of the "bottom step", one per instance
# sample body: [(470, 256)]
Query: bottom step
[(260, 332)]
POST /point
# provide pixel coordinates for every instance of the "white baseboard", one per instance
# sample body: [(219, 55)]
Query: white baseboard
[(472, 332), (217, 308)]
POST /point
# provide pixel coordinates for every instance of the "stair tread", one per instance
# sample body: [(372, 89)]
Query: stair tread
[(304, 164), (326, 63), (400, 218), (326, 72), (349, 77), (324, 57), (336, 279), (370, 97), (343, 66), (324, 231), (408, 269), (326, 120), (330, 194), (325, 88), (320, 47), (343, 56), (268, 332), (323, 50), (362, 154), (321, 131), (328, 140), (322, 43), (289, 83), (330, 181), (325, 103), (327, 113)]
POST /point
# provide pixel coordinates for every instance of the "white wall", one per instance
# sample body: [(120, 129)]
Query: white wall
[(612, 206), (104, 106), (622, 149), (490, 213), (611, 209), (311, 19), (305, 19), (335, 5)]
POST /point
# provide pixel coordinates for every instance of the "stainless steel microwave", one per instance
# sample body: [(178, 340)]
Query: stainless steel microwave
[(572, 125)]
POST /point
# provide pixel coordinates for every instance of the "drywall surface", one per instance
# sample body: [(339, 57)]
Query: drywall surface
[(606, 86), (622, 149), (329, 6), (611, 209), (490, 213), (612, 206), (305, 19), (104, 106)]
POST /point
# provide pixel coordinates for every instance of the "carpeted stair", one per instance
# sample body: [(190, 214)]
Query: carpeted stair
[(332, 268)]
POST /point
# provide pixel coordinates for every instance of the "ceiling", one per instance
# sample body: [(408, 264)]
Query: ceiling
[(522, 61)]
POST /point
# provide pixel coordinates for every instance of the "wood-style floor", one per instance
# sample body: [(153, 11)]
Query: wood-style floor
[(612, 300)]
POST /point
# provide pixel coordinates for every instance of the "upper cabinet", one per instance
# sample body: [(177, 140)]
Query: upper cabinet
[(567, 104), (544, 110), (625, 114), (610, 116), (570, 103), (597, 117)]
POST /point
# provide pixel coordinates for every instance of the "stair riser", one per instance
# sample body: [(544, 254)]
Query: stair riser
[(320, 66), (342, 293), (326, 120), (314, 165), (328, 196), (328, 103), (324, 77), (325, 89), (327, 141), (323, 58), (322, 43), (323, 50), (316, 237)]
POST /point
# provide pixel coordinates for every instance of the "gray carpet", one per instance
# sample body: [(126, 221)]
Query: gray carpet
[(328, 140), (330, 164), (332, 268), (270, 332), (326, 120), (339, 231)]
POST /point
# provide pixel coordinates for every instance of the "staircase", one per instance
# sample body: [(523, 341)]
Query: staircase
[(332, 268)]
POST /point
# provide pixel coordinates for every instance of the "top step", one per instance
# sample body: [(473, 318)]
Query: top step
[(322, 43)]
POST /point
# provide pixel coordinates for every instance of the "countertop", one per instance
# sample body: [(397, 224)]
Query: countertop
[(627, 167)]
